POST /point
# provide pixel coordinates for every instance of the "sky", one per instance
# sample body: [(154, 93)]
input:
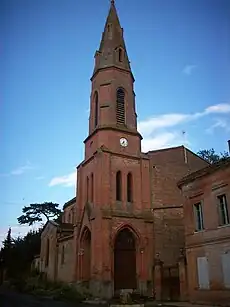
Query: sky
[(179, 52)]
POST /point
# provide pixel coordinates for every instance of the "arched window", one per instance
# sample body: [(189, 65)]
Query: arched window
[(70, 218), (87, 189), (129, 188), (63, 255), (47, 252), (118, 186), (92, 188), (96, 109), (120, 107)]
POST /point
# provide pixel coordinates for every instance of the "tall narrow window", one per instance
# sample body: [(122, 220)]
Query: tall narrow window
[(223, 210), (198, 214), (63, 255), (87, 189), (96, 109), (109, 31), (47, 252), (92, 188), (120, 106), (120, 54), (118, 186), (129, 188)]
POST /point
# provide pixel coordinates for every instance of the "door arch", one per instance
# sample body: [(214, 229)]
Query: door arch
[(85, 254), (125, 260)]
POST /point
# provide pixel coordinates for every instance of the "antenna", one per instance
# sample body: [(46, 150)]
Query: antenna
[(185, 151), (183, 134)]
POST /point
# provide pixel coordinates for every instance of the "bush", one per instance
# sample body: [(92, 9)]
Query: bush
[(37, 285), (56, 290)]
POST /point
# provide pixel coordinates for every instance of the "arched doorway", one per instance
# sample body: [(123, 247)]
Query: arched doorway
[(85, 254), (125, 260)]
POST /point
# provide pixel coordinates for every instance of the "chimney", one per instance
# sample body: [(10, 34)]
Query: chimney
[(229, 146)]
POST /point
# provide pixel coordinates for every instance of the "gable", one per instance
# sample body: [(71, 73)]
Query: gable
[(49, 228)]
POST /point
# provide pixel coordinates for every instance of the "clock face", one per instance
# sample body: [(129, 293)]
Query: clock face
[(123, 142)]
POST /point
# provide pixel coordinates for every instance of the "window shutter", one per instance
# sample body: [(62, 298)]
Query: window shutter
[(203, 273), (226, 269)]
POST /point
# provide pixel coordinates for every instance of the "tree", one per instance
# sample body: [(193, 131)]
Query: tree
[(211, 156), (35, 213), (17, 259), (7, 243)]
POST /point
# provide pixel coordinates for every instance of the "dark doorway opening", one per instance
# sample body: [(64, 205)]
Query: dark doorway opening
[(125, 260), (171, 283), (85, 256)]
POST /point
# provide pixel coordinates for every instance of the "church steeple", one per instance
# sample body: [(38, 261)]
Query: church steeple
[(112, 51), (112, 103)]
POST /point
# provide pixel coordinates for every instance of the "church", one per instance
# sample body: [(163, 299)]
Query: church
[(124, 229)]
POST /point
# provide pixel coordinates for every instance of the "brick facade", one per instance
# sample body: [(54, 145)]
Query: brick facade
[(212, 240), (127, 226)]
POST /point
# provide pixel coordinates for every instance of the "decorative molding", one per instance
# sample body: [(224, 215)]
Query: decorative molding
[(219, 186), (196, 194), (109, 214), (210, 241), (167, 207)]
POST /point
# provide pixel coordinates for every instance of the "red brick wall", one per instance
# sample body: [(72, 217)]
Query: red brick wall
[(167, 167), (213, 241)]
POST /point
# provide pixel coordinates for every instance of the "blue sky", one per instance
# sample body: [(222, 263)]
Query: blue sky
[(179, 52)]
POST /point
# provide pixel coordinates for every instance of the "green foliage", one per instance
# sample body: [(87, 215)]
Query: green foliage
[(211, 156), (7, 243), (17, 254), (35, 213), (39, 286)]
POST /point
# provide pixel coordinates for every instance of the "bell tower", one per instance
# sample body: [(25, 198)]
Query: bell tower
[(113, 119), (113, 186)]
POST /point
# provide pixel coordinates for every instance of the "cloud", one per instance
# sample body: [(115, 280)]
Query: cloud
[(188, 69), (162, 140), (65, 181), (20, 170), (162, 121), (219, 123), (219, 108), (157, 130)]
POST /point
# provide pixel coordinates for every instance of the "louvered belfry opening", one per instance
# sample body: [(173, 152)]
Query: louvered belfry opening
[(120, 107)]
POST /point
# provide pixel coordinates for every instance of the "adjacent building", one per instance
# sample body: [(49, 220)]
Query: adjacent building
[(207, 232)]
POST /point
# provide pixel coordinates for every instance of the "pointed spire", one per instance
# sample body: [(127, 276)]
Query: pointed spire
[(112, 51)]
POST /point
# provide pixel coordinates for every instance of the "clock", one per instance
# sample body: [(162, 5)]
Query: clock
[(123, 142)]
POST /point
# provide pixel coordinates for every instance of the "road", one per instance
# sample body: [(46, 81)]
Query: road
[(13, 299)]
